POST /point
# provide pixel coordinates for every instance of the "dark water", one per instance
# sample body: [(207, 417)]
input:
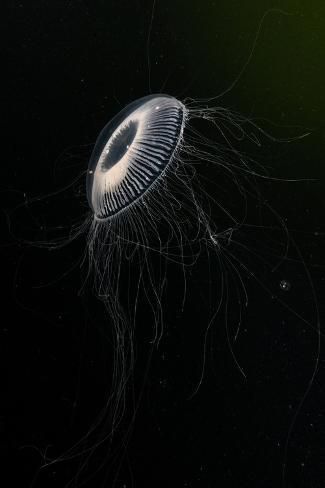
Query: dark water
[(72, 66)]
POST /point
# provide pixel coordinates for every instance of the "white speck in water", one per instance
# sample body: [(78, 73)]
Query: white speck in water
[(285, 285)]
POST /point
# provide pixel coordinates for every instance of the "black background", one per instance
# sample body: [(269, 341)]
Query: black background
[(72, 66)]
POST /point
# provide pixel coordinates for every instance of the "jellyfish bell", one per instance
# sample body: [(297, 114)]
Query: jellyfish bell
[(132, 152)]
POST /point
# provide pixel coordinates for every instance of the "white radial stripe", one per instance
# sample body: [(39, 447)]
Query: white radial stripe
[(125, 191), (159, 134), (143, 166), (167, 119), (152, 140), (163, 129), (137, 179), (154, 127), (155, 150), (119, 198), (162, 150), (145, 173), (148, 149), (138, 174), (155, 165), (159, 123), (129, 184), (142, 163), (139, 183), (152, 167), (156, 158), (149, 163), (162, 139)]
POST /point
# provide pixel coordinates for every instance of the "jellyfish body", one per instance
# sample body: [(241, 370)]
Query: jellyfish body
[(132, 152)]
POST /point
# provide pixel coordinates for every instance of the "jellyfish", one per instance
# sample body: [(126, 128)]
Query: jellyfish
[(154, 208), (150, 211)]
